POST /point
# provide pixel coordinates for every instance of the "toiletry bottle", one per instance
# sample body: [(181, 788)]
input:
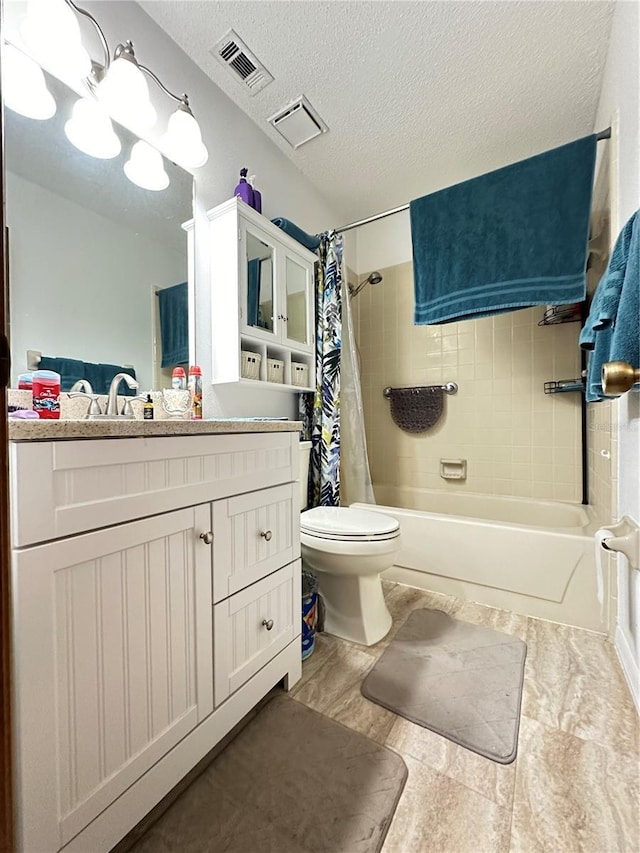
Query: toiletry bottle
[(257, 195), (243, 189), (46, 393), (147, 409), (179, 379), (25, 382), (195, 390)]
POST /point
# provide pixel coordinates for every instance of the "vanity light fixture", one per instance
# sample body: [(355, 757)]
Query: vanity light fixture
[(24, 87), (91, 131), (145, 167), (52, 36)]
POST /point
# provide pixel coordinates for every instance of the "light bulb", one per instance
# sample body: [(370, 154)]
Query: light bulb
[(125, 94), (24, 87), (145, 167), (183, 140), (51, 34), (91, 131)]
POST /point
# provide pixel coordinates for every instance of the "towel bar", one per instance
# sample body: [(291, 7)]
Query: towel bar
[(448, 388)]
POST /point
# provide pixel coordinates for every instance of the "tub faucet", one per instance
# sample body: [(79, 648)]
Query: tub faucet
[(112, 399)]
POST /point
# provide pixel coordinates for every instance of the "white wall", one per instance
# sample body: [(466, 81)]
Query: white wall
[(385, 243), (620, 106), (92, 303)]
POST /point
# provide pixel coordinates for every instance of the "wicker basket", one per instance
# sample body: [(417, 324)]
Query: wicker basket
[(250, 364), (300, 374), (275, 370)]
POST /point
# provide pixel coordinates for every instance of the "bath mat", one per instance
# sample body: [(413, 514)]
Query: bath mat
[(460, 680), (291, 781)]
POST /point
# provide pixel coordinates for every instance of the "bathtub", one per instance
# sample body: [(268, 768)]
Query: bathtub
[(528, 556)]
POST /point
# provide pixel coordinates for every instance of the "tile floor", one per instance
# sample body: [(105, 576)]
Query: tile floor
[(574, 787)]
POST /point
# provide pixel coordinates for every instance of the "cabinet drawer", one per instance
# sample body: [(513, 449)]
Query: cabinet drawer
[(59, 488), (255, 534), (242, 642)]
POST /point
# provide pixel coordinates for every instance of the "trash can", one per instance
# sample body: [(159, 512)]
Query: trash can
[(309, 612)]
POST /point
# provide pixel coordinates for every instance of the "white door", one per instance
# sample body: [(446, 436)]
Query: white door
[(113, 647)]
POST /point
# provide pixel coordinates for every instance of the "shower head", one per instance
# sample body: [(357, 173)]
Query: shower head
[(372, 278)]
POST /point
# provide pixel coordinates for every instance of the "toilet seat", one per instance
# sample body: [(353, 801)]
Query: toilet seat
[(344, 524)]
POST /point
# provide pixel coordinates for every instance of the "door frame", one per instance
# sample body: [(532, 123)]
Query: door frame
[(6, 740)]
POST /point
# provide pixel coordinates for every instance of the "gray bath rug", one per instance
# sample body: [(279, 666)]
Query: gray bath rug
[(291, 781), (460, 680)]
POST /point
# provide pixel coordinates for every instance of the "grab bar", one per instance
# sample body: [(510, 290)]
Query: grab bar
[(448, 388)]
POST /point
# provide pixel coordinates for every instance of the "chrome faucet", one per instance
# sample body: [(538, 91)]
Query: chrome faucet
[(112, 399), (82, 385), (82, 388)]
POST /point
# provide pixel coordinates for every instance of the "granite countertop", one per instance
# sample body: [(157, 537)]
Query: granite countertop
[(46, 430)]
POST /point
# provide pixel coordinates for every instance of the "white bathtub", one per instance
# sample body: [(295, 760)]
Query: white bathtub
[(532, 557)]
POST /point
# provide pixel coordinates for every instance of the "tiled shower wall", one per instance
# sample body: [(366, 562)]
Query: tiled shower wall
[(516, 440)]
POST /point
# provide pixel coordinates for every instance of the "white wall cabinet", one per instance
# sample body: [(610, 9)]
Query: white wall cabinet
[(118, 642), (262, 296)]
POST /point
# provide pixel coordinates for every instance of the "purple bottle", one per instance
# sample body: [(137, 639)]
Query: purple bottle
[(257, 195), (243, 189)]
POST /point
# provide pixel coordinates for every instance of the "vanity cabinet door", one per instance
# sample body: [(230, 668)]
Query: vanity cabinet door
[(113, 646)]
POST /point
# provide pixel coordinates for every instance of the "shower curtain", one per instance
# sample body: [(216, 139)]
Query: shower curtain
[(335, 395), (324, 477), (354, 461)]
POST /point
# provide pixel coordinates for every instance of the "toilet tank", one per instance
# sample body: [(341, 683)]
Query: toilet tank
[(305, 452)]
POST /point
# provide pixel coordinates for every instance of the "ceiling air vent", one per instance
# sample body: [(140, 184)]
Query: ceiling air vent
[(233, 53), (298, 122)]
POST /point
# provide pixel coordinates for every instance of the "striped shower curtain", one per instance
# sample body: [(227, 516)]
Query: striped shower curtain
[(322, 409)]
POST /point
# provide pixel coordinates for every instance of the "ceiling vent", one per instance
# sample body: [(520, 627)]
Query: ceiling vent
[(298, 122), (233, 53)]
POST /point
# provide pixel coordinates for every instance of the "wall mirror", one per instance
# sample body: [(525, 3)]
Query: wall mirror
[(259, 283), (88, 249)]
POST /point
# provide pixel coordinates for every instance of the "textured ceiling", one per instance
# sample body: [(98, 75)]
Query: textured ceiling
[(417, 95)]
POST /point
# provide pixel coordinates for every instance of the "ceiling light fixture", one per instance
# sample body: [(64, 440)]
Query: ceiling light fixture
[(91, 131), (52, 35)]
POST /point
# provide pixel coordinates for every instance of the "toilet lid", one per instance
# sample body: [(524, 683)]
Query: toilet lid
[(347, 524)]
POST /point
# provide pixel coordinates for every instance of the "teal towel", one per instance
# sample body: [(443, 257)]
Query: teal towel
[(309, 241), (173, 303), (612, 330), (100, 376), (70, 370), (510, 239)]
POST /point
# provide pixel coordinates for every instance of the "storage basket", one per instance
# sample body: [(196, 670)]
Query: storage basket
[(275, 370), (250, 364), (300, 374)]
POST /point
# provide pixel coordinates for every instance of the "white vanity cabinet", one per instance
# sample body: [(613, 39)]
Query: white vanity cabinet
[(143, 635), (262, 296)]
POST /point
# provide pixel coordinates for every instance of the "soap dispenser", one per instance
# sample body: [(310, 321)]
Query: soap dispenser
[(243, 189)]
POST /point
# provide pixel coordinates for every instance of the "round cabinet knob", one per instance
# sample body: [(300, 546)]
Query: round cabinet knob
[(266, 535), (268, 624), (207, 537)]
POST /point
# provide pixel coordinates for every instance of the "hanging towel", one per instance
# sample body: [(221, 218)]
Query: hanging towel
[(70, 370), (510, 239), (612, 330), (310, 241), (100, 376), (174, 324)]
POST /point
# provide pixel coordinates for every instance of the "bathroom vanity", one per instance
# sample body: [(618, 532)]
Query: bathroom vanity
[(156, 600)]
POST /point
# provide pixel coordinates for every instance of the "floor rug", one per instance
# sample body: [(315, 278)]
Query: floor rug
[(292, 781), (460, 680)]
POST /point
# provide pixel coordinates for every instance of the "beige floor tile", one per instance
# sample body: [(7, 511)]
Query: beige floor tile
[(492, 780), (334, 690), (325, 647), (438, 815), (492, 617), (573, 682), (572, 796)]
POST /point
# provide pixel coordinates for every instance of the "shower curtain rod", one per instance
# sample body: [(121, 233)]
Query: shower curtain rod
[(604, 134)]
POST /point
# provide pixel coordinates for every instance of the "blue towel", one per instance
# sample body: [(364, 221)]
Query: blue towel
[(100, 376), (173, 305), (70, 370), (253, 291), (310, 241), (510, 239), (612, 330)]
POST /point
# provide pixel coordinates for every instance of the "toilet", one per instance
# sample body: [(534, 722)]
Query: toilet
[(348, 549)]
